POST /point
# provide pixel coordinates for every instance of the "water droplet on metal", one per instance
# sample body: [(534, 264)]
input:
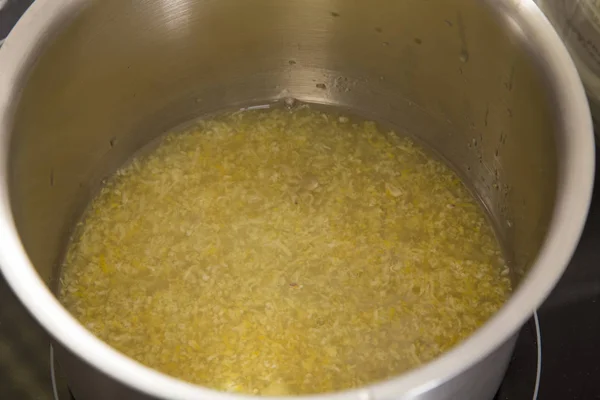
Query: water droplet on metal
[(464, 56)]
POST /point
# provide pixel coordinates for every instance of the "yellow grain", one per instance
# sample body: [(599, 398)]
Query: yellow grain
[(280, 252)]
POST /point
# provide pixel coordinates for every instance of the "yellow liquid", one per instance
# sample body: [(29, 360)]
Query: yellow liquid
[(284, 252)]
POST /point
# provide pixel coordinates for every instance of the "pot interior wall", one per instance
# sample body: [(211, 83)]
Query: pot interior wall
[(117, 74)]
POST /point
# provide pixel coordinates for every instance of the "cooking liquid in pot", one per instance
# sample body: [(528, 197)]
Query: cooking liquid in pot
[(284, 252)]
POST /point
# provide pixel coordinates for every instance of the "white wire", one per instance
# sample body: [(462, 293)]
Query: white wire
[(53, 374), (538, 372)]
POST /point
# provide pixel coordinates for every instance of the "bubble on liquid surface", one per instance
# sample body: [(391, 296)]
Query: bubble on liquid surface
[(290, 102)]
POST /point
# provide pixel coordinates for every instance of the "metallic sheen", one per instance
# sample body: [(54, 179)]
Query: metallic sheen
[(487, 84)]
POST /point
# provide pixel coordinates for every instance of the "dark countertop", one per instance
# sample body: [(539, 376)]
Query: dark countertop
[(570, 328), (10, 12), (24, 352), (570, 320)]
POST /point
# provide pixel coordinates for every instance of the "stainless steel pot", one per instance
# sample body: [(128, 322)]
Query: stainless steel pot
[(486, 83)]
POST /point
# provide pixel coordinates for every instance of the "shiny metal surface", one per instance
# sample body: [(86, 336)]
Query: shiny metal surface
[(486, 84), (578, 24)]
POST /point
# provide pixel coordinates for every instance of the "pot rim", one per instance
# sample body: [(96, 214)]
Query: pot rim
[(575, 182)]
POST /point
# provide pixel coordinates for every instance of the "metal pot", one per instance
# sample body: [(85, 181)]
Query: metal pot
[(486, 84)]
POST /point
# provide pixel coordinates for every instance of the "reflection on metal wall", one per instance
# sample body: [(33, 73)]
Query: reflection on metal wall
[(24, 346), (578, 23)]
